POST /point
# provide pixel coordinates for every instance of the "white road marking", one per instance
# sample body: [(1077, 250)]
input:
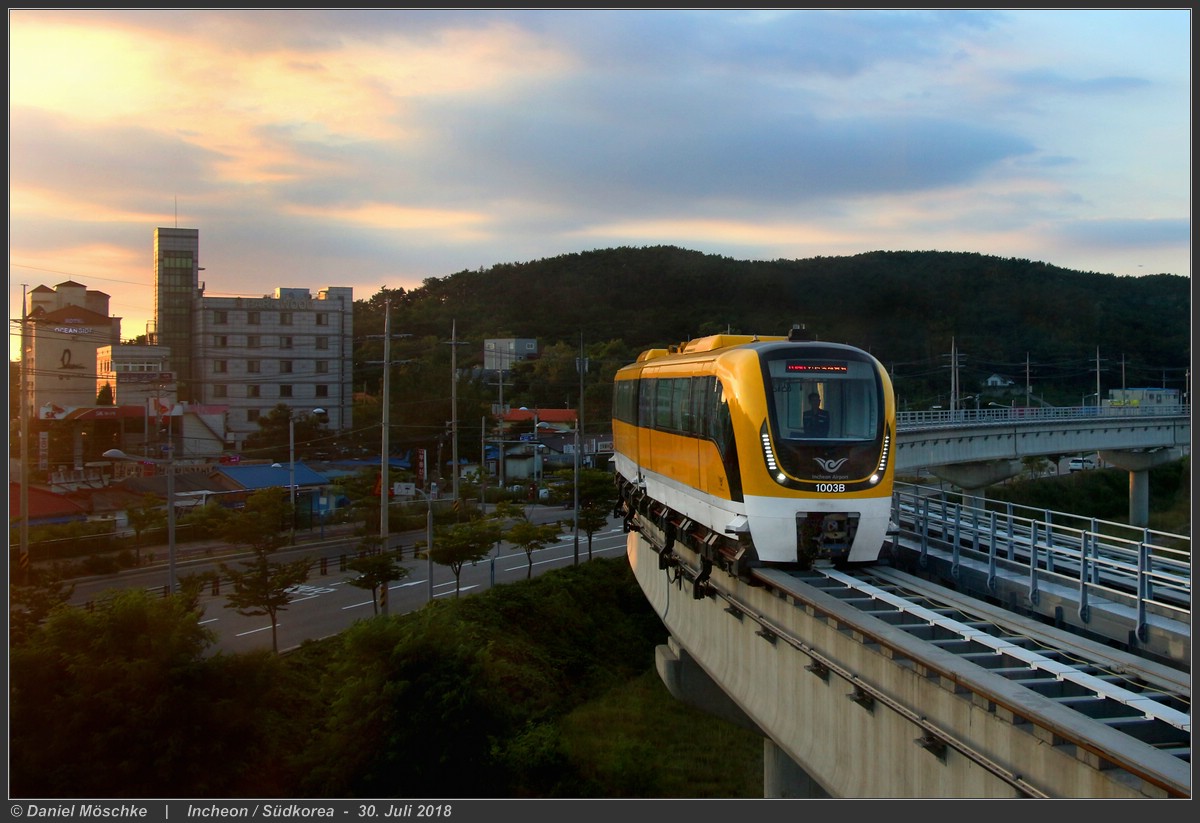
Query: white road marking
[(256, 631)]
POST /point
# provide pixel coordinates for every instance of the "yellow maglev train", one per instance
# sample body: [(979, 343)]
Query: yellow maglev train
[(758, 450)]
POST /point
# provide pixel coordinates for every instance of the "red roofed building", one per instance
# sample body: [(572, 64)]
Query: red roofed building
[(45, 507), (523, 420)]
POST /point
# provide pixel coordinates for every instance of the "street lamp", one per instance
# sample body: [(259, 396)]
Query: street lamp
[(117, 454), (429, 533), (454, 344), (292, 467)]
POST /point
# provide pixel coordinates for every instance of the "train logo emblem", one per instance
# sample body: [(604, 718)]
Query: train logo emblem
[(830, 466)]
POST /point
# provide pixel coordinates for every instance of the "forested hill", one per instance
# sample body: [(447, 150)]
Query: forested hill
[(903, 306)]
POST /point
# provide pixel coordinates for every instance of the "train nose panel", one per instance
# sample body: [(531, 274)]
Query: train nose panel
[(824, 537)]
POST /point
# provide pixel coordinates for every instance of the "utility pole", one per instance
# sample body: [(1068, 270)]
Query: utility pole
[(454, 403), (953, 375), (23, 558), (582, 366), (292, 470), (454, 344), (384, 482), (1028, 385)]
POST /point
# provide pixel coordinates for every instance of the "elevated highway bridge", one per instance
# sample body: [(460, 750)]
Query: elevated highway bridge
[(995, 652), (974, 448)]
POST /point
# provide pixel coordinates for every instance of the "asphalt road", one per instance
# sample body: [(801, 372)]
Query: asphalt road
[(327, 604)]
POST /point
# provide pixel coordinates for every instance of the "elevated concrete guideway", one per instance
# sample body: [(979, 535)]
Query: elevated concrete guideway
[(851, 705), (975, 448)]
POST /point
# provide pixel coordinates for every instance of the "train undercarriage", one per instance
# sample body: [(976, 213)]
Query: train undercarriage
[(664, 528), (821, 538)]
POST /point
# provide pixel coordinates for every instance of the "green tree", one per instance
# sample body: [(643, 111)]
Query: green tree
[(265, 587), (261, 523), (509, 510), (275, 440), (461, 543), (209, 520), (597, 496), (1035, 465), (375, 570), (138, 707), (143, 516), (30, 605), (530, 537), (592, 518)]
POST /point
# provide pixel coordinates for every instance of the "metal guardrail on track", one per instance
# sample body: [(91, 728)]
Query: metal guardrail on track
[(942, 418), (1148, 569)]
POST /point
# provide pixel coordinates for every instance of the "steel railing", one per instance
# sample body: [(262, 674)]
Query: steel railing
[(1149, 569), (938, 418)]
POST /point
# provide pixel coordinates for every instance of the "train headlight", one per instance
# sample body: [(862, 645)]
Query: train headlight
[(883, 458), (873, 479), (769, 455)]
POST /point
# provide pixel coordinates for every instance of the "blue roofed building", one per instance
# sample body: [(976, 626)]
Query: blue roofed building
[(312, 488)]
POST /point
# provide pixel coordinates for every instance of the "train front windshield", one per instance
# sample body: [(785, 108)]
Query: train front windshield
[(823, 400)]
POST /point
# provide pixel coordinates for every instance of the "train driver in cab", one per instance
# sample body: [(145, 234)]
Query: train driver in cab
[(816, 419)]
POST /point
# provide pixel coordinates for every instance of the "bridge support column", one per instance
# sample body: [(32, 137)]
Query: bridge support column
[(1139, 463), (783, 778), (972, 477), (690, 684)]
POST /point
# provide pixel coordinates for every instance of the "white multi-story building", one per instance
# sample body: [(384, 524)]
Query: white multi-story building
[(290, 347), (210, 366), (499, 354), (136, 374), (252, 353), (64, 327)]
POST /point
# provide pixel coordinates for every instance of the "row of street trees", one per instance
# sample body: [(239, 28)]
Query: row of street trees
[(264, 586)]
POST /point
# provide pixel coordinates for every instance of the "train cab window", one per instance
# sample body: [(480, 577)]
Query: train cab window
[(823, 399), (816, 418)]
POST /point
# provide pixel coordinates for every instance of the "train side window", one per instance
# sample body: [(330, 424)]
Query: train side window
[(681, 404), (663, 395), (722, 423), (645, 409), (723, 436), (625, 401), (701, 391)]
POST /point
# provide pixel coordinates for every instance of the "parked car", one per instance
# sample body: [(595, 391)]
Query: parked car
[(1081, 463)]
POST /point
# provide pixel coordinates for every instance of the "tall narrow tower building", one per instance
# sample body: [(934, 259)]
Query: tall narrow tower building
[(176, 299)]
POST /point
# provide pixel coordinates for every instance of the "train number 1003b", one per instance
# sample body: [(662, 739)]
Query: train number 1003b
[(831, 488)]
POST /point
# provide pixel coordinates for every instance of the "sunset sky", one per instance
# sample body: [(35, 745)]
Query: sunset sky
[(377, 148)]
